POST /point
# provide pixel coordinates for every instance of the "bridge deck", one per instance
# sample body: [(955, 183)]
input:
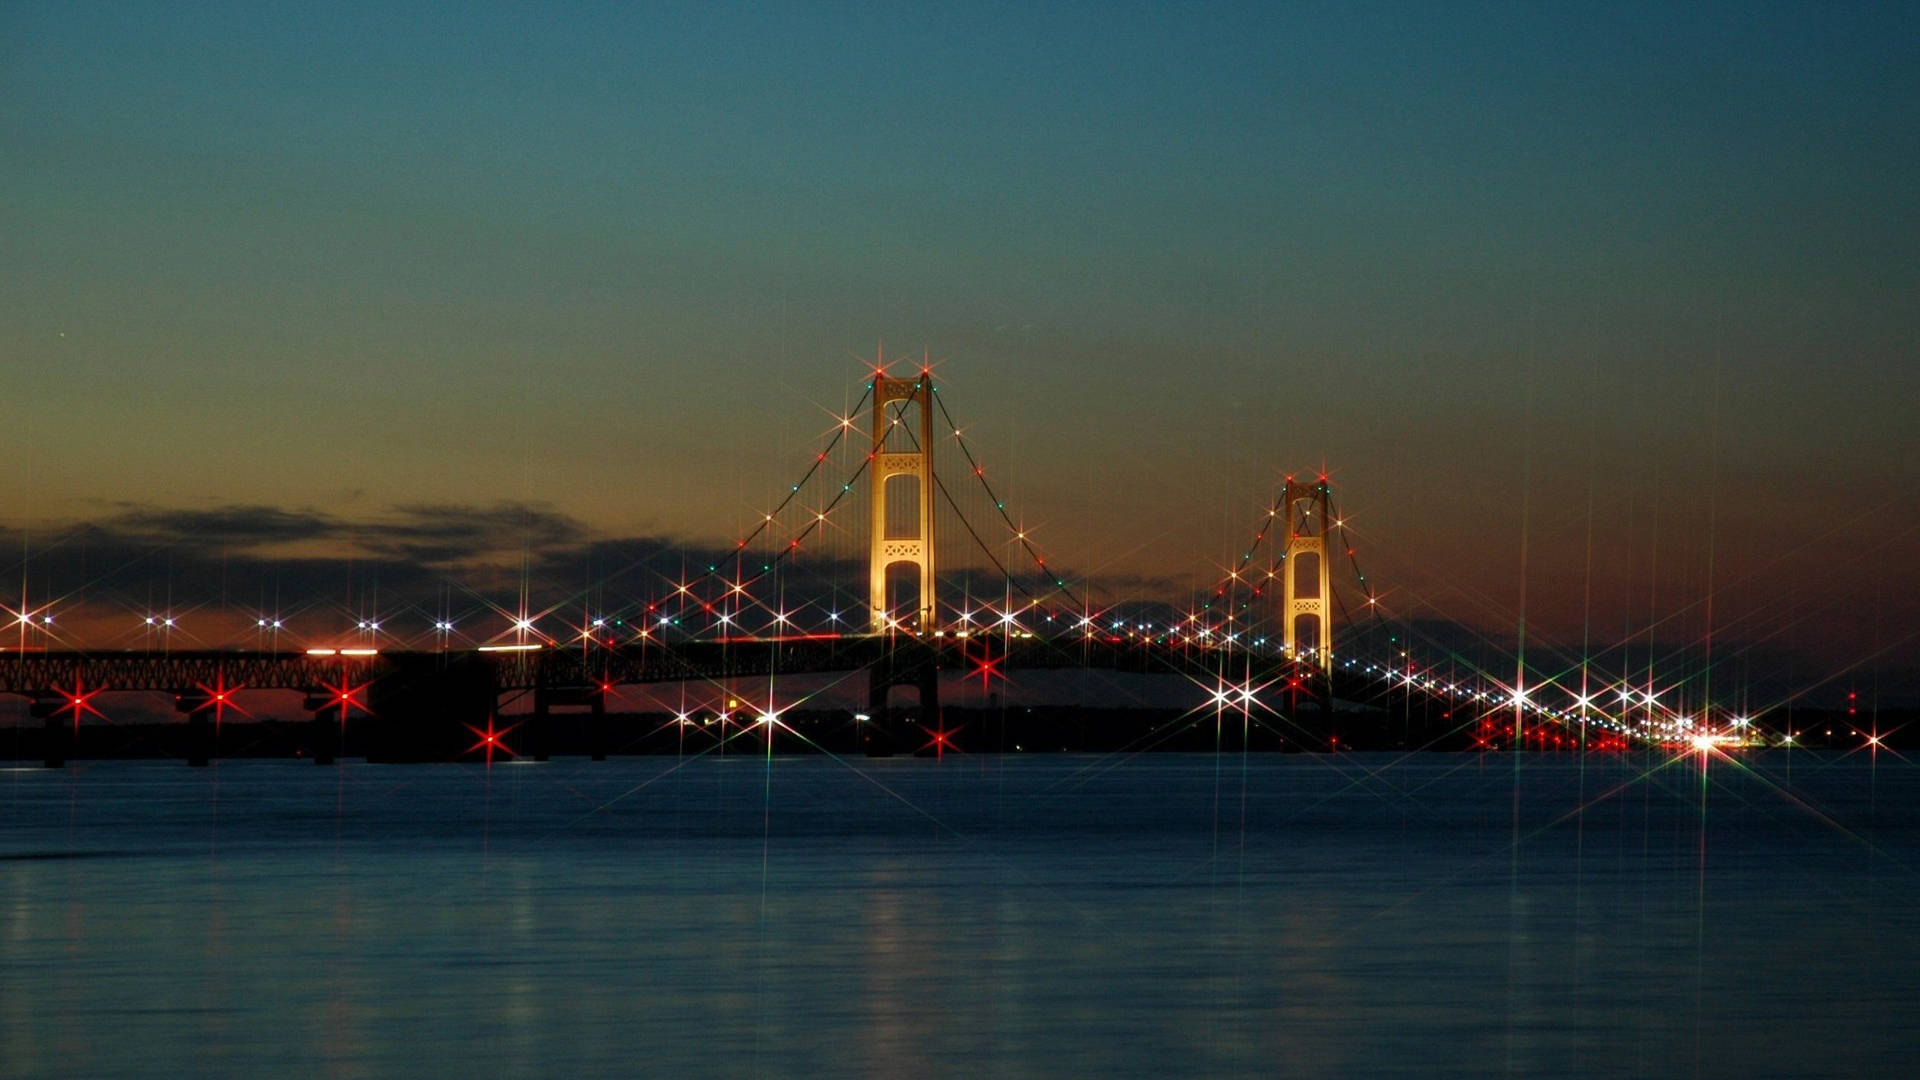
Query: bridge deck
[(47, 674)]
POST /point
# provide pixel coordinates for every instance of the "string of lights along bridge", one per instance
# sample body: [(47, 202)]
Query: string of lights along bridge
[(954, 584)]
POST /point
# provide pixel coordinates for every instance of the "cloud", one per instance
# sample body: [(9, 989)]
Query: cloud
[(261, 556), (439, 534), (227, 526), (256, 557), (446, 534)]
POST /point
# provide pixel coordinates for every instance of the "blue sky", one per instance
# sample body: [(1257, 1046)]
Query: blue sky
[(1511, 268)]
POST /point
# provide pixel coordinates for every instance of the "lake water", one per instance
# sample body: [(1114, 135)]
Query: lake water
[(1154, 916)]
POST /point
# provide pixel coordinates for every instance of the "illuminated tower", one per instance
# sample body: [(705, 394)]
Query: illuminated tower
[(892, 542), (1307, 536)]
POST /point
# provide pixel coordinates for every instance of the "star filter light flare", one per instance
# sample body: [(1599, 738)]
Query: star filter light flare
[(220, 697), (491, 739)]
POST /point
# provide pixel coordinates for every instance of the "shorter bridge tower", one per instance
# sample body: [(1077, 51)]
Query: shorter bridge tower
[(1305, 515), (917, 549)]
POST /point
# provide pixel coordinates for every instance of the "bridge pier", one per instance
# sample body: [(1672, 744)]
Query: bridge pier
[(325, 732), (201, 742), (1307, 687), (597, 728), (57, 736), (201, 737), (907, 663), (429, 707), (542, 728)]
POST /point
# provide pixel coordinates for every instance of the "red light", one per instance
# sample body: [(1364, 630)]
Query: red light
[(219, 696), (939, 742), (491, 740), (986, 668), (80, 700)]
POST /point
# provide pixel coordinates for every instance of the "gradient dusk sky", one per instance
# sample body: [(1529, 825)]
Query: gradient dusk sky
[(1595, 311)]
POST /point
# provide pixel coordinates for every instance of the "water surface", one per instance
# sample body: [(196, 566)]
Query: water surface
[(1161, 915)]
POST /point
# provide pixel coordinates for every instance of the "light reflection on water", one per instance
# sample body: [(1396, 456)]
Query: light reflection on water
[(1160, 916)]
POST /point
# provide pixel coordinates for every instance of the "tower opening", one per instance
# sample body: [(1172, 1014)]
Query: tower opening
[(903, 604), (1306, 635), (902, 507), (1306, 565)]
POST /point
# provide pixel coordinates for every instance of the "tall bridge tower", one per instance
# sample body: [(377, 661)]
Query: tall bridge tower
[(893, 542), (1302, 504)]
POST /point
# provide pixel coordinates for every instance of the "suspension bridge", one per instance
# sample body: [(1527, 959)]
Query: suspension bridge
[(954, 587)]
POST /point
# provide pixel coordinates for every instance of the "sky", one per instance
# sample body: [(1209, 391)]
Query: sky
[(1600, 316)]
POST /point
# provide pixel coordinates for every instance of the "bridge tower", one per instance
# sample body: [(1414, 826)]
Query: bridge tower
[(887, 551), (1303, 504)]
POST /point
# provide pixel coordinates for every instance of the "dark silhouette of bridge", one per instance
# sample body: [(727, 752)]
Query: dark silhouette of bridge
[(1265, 643)]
